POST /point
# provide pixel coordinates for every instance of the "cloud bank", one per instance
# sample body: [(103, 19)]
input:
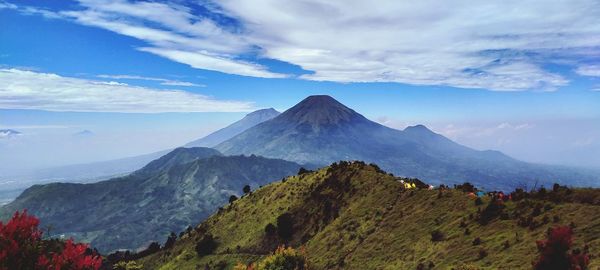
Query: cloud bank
[(22, 89), (162, 81), (496, 45)]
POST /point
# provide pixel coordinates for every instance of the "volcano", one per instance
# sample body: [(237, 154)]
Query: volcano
[(320, 130)]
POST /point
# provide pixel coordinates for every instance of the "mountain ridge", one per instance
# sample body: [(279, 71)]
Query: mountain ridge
[(351, 215), (320, 130), (179, 189)]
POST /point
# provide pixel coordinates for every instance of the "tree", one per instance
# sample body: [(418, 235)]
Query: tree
[(302, 170), (285, 226), (170, 240), (247, 189), (206, 245), (22, 247), (270, 229), (554, 252), (232, 198)]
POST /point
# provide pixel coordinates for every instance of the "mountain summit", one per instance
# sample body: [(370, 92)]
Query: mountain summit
[(320, 130), (226, 133), (321, 110)]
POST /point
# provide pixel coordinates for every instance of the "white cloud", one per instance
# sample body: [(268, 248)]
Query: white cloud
[(481, 44), (205, 60), (173, 32), (589, 70), (478, 131), (162, 81), (21, 89), (496, 45)]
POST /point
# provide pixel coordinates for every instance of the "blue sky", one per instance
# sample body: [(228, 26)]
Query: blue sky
[(515, 76)]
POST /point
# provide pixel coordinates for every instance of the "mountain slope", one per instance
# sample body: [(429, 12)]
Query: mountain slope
[(320, 130), (226, 133), (354, 216), (94, 171), (181, 188)]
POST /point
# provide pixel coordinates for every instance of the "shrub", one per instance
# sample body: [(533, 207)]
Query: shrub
[(482, 253), (302, 170), (466, 187), (170, 240), (437, 236), (22, 247), (554, 252), (492, 210), (206, 245), (270, 229), (477, 241), (506, 245), (232, 198), (246, 189), (285, 226), (282, 259)]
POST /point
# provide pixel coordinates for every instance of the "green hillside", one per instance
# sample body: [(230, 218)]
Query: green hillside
[(354, 216), (181, 188)]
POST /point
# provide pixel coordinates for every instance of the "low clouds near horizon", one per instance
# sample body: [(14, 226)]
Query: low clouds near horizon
[(23, 89)]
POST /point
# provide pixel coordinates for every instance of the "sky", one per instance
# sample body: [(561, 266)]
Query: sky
[(140, 76)]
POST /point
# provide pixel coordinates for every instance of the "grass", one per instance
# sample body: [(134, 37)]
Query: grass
[(357, 217)]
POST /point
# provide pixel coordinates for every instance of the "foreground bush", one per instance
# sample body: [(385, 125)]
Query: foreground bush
[(555, 255), (22, 247), (282, 259)]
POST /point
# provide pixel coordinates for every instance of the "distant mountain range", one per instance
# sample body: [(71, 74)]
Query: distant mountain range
[(8, 133), (186, 185), (226, 133), (320, 130), (94, 171), (181, 188)]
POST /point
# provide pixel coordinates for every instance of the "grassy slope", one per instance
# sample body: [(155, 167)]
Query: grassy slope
[(358, 218)]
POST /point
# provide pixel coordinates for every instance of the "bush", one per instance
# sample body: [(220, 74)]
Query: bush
[(206, 245), (282, 259), (466, 187), (285, 226), (22, 247), (437, 236), (506, 245), (554, 252), (232, 198), (170, 240), (493, 210), (246, 189), (477, 241), (270, 229), (302, 170), (482, 253)]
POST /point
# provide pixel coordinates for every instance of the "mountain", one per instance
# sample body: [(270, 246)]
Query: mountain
[(226, 133), (320, 130), (84, 133), (9, 133), (355, 216), (168, 194), (94, 171)]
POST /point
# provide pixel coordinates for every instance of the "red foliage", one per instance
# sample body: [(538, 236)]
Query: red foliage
[(22, 247), (554, 252)]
